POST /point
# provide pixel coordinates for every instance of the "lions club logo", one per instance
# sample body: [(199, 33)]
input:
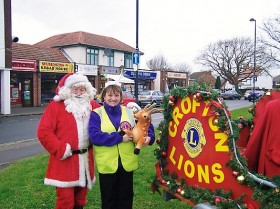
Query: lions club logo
[(125, 125), (193, 137)]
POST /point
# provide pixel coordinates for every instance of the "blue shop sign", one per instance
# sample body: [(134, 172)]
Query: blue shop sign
[(141, 74)]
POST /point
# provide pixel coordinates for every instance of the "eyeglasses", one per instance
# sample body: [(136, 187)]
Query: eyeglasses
[(80, 90)]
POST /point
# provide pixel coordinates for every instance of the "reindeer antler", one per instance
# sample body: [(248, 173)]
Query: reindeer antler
[(150, 108), (156, 110)]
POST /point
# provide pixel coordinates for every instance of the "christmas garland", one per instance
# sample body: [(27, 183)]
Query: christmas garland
[(267, 196)]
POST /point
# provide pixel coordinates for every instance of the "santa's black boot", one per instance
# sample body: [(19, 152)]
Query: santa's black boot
[(78, 207)]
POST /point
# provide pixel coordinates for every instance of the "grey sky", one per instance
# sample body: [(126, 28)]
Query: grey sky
[(177, 29)]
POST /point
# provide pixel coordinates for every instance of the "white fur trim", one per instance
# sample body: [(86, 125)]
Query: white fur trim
[(63, 184), (56, 98), (75, 78)]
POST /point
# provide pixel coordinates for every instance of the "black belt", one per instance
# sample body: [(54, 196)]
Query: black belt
[(81, 151)]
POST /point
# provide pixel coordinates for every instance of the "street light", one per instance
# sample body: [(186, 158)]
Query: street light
[(137, 49), (255, 43)]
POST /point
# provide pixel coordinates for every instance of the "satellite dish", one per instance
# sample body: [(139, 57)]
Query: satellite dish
[(107, 52)]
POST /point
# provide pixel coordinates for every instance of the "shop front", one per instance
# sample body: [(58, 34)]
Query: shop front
[(91, 71), (176, 79), (145, 79), (104, 71), (21, 82), (51, 73)]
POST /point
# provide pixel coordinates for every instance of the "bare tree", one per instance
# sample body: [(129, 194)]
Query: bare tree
[(158, 63), (182, 67), (232, 60), (271, 38)]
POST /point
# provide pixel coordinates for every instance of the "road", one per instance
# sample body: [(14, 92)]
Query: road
[(237, 104), (18, 134)]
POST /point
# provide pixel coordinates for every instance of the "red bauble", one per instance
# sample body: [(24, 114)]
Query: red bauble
[(163, 154), (179, 190), (158, 140), (197, 96), (235, 173), (171, 98), (217, 200)]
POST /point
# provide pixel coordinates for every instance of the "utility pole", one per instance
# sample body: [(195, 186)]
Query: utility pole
[(5, 54), (255, 44), (137, 50)]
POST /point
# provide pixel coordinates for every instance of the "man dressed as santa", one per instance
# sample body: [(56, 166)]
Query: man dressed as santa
[(63, 132)]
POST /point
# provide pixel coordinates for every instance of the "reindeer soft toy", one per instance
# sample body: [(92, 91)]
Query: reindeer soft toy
[(140, 130)]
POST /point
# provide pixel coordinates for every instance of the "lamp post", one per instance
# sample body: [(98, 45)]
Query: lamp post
[(254, 73), (137, 49)]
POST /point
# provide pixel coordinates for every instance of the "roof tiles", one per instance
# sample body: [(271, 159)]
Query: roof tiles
[(84, 38), (26, 51)]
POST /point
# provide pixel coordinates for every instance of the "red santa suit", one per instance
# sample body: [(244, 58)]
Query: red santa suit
[(262, 150), (65, 137)]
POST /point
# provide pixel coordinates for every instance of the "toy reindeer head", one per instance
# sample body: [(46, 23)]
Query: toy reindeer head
[(144, 115), (140, 131)]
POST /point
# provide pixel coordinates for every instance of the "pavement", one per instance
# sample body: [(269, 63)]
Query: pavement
[(21, 111)]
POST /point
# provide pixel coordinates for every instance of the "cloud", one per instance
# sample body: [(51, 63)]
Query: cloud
[(177, 29)]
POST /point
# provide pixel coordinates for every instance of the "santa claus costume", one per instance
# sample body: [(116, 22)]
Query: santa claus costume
[(262, 151), (63, 132)]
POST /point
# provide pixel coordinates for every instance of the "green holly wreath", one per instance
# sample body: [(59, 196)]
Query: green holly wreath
[(266, 190)]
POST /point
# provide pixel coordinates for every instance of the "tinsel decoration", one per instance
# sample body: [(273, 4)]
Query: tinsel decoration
[(267, 197)]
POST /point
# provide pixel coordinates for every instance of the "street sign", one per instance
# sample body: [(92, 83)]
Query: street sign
[(136, 57)]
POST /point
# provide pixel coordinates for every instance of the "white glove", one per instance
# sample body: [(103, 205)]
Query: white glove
[(67, 152)]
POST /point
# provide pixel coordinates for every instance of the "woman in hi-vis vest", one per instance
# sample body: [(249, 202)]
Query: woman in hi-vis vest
[(113, 149)]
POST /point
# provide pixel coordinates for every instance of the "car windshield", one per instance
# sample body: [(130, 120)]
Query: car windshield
[(144, 93), (130, 95)]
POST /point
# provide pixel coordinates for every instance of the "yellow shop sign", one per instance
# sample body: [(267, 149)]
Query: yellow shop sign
[(56, 67)]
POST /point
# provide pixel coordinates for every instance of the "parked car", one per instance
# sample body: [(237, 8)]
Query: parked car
[(231, 94), (247, 93), (128, 97), (254, 96), (150, 97)]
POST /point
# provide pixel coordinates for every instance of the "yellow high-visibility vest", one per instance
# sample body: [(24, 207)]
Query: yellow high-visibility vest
[(106, 158)]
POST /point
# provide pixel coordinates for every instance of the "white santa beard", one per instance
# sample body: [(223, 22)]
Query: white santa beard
[(79, 107)]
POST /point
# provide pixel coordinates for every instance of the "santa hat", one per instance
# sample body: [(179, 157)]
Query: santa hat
[(111, 83), (68, 81)]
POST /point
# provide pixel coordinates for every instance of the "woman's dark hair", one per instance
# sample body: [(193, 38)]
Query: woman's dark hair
[(112, 88)]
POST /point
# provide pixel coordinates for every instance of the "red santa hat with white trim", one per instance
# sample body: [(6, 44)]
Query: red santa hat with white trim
[(68, 81)]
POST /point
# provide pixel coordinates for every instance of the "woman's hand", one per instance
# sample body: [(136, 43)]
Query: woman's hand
[(127, 138), (147, 141)]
